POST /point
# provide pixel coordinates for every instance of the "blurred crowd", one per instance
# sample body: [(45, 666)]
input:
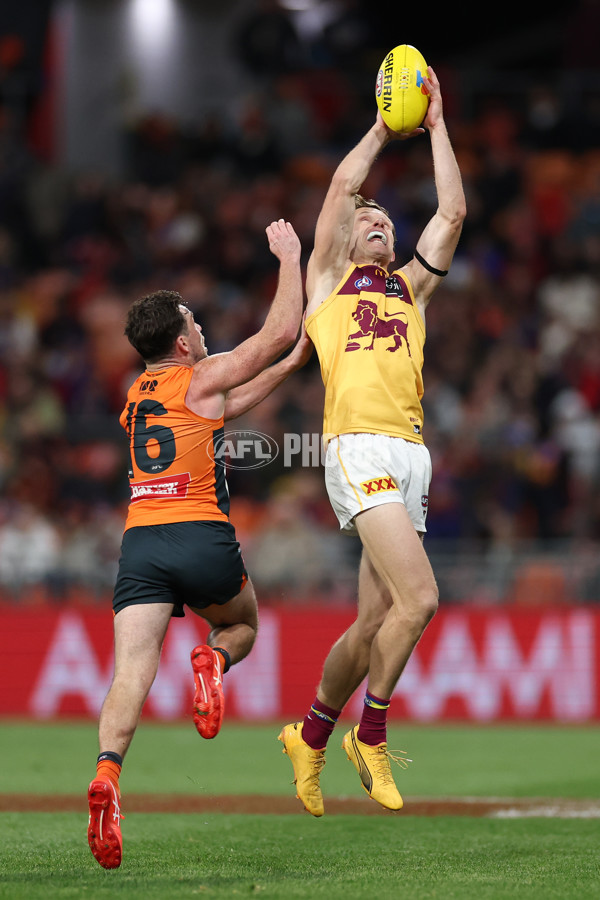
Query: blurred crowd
[(512, 372)]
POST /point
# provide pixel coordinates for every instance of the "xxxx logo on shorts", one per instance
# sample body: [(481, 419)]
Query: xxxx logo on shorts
[(376, 485)]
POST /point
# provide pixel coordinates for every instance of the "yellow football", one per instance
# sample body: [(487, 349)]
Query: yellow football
[(400, 92)]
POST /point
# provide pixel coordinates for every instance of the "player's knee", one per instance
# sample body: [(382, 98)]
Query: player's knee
[(423, 607), (428, 604)]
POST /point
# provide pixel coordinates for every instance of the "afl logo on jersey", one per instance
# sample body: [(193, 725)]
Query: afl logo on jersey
[(363, 282)]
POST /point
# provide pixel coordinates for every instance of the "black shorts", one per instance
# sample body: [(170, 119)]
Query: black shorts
[(193, 563)]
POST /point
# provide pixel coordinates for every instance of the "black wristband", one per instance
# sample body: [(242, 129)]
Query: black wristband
[(429, 268)]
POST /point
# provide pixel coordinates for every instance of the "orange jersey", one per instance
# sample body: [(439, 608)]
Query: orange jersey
[(173, 473)]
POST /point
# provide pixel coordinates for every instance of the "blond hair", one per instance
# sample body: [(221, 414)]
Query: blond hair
[(361, 202)]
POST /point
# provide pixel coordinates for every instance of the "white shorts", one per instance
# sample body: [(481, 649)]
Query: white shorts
[(366, 470)]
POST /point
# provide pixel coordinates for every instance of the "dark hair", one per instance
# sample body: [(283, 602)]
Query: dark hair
[(361, 202), (154, 323)]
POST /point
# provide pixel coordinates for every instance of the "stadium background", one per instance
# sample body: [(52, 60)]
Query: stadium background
[(147, 145)]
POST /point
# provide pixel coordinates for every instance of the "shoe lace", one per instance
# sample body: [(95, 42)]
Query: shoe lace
[(117, 814), (382, 762), (316, 765)]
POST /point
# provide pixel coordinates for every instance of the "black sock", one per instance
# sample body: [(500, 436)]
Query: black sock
[(226, 657), (114, 757)]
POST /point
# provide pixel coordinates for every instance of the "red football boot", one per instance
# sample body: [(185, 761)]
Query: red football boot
[(209, 702), (104, 830)]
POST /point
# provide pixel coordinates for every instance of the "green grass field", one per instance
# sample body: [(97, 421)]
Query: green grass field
[(274, 856), (515, 761)]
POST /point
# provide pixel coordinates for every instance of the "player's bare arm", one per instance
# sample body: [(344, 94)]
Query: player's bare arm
[(333, 232), (440, 237), (247, 396), (215, 375)]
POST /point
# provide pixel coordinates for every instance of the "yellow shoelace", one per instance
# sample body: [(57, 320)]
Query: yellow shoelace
[(382, 762), (317, 764)]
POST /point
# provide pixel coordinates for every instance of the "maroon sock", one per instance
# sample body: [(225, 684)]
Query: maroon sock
[(318, 725), (372, 729)]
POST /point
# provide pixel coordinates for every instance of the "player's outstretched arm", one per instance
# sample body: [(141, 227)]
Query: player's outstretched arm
[(224, 371), (247, 396), (441, 234), (334, 224)]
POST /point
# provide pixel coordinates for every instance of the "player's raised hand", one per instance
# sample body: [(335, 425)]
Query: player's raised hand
[(397, 135), (283, 240), (435, 112)]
